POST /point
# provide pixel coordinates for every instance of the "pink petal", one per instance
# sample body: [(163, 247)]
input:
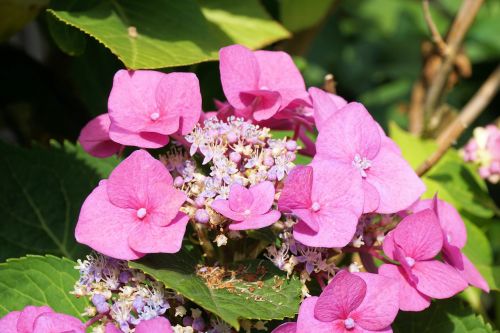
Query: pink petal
[(105, 227), (342, 296), (472, 276), (279, 73), (449, 219), (388, 245), (222, 207), (8, 323), (306, 319), (438, 280), (336, 229), (324, 105), (348, 132), (179, 99), (28, 317), (130, 182), (410, 299), (163, 204), (371, 198), (308, 217), (297, 190), (263, 103), (400, 256), (156, 325), (57, 322), (335, 186), (240, 198), (95, 140), (381, 303), (239, 71), (110, 328), (137, 139), (389, 173), (387, 142), (290, 327), (419, 235), (257, 221), (150, 238), (263, 197)]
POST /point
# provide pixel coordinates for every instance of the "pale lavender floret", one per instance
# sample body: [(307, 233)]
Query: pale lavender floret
[(201, 216), (198, 324), (235, 157)]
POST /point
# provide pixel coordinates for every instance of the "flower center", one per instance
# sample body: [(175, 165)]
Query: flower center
[(315, 206), (263, 88), (141, 212), (154, 116), (410, 261), (246, 212), (361, 164), (349, 323), (448, 238)]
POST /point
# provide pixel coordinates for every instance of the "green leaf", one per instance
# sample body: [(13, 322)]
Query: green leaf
[(245, 301), (69, 39), (38, 280), (298, 15), (444, 316), (40, 198), (15, 14), (162, 33), (414, 150)]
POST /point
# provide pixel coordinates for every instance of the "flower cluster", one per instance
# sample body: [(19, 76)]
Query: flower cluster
[(484, 150), (217, 177)]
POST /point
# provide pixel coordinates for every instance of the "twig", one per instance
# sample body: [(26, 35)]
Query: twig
[(205, 243), (459, 28), (329, 84), (436, 36), (468, 114)]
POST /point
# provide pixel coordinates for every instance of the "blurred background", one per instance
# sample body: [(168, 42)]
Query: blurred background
[(59, 58)]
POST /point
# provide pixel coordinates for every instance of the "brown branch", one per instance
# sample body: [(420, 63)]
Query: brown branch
[(436, 36), (329, 84), (463, 21), (468, 114)]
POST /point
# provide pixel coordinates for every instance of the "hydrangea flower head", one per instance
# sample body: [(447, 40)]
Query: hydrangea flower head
[(326, 201), (351, 140), (146, 107), (352, 302), (95, 140), (415, 243), (135, 211), (484, 150), (34, 319), (249, 208), (260, 83), (156, 325)]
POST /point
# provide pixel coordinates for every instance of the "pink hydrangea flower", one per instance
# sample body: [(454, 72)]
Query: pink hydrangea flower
[(156, 325), (249, 208), (454, 239), (43, 319), (95, 140), (415, 243), (134, 212), (146, 107), (352, 302), (351, 140), (327, 202), (260, 83)]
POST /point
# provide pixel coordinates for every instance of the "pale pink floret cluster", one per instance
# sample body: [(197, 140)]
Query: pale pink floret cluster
[(357, 176), (483, 149)]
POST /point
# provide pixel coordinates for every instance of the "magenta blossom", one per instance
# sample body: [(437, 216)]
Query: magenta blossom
[(326, 201), (260, 83), (351, 141), (415, 243), (359, 303), (155, 325), (43, 319), (134, 212), (454, 239), (146, 107), (95, 140), (249, 208)]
